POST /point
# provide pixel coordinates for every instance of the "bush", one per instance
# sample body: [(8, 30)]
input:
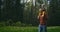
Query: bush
[(14, 23), (9, 22), (18, 23), (2, 24)]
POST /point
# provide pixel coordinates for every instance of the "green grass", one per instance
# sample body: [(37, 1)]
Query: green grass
[(27, 29)]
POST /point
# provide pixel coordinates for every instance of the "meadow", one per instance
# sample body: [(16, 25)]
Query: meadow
[(27, 29)]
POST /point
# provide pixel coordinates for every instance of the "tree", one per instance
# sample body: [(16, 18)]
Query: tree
[(12, 9), (54, 13), (0, 9)]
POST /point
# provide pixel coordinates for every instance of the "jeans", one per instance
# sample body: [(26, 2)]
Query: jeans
[(42, 28)]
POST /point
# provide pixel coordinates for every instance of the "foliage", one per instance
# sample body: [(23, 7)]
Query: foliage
[(54, 13), (13, 23), (18, 23), (25, 14)]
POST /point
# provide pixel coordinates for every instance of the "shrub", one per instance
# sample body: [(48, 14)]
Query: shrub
[(18, 23)]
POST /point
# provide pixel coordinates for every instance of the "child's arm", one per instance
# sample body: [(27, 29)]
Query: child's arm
[(38, 15), (43, 13)]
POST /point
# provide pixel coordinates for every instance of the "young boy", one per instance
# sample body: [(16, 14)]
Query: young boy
[(42, 18)]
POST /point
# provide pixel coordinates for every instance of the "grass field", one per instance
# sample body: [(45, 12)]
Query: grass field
[(27, 29)]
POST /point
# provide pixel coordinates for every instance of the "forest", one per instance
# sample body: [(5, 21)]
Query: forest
[(25, 12)]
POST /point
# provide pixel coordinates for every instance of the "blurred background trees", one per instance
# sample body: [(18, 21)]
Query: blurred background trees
[(24, 12), (54, 12)]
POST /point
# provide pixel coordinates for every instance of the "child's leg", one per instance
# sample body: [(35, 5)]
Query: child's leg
[(44, 28), (41, 28)]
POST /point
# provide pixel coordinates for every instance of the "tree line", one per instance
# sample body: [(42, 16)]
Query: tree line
[(15, 11)]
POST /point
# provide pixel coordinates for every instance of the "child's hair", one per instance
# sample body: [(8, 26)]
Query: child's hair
[(42, 11)]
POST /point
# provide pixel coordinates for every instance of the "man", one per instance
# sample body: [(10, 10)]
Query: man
[(42, 18)]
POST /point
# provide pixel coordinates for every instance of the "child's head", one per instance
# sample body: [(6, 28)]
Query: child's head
[(42, 10)]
